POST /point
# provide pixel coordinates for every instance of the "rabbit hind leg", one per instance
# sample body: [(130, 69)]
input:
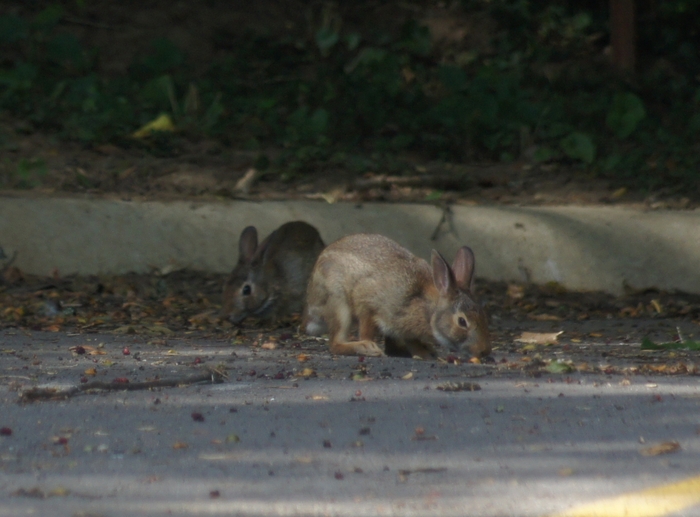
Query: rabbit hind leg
[(339, 325)]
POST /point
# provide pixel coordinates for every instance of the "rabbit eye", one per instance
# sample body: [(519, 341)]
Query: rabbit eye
[(246, 290), (462, 322)]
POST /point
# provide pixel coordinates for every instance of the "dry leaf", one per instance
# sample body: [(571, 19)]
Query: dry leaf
[(407, 377), (269, 345), (180, 445), (516, 291), (539, 338), (302, 358), (458, 386), (619, 193), (661, 448)]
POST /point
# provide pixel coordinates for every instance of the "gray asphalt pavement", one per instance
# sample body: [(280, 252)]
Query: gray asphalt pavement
[(294, 431)]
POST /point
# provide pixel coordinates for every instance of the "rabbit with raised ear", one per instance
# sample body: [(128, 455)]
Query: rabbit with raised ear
[(372, 281), (270, 279)]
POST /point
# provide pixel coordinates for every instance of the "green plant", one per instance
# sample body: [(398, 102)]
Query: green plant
[(29, 172), (346, 95)]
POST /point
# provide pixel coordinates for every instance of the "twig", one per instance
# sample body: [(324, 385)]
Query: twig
[(244, 184), (446, 182), (9, 262), (213, 375), (87, 23), (447, 217)]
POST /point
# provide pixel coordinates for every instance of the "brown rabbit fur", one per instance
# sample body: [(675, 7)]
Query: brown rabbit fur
[(372, 280), (270, 279)]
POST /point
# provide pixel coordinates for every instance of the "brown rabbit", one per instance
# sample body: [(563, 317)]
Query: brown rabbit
[(372, 280), (270, 279)]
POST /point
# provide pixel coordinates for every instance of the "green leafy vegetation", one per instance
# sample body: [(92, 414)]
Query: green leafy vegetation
[(537, 88), (648, 344)]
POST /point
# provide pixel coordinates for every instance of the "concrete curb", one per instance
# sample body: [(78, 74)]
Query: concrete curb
[(583, 248)]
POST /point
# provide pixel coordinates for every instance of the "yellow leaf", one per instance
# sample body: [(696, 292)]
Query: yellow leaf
[(661, 448), (162, 123), (91, 371), (307, 372), (619, 193), (408, 376)]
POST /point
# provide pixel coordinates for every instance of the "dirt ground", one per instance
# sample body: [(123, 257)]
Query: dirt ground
[(533, 327)]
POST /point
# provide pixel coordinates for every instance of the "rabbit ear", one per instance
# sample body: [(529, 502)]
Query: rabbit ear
[(263, 251), (247, 244), (443, 277), (463, 268)]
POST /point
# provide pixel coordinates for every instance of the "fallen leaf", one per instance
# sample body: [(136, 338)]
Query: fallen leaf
[(306, 373), (559, 367), (269, 345), (516, 291), (539, 338), (180, 445), (458, 386), (407, 377), (302, 358), (161, 123), (661, 448), (619, 193)]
